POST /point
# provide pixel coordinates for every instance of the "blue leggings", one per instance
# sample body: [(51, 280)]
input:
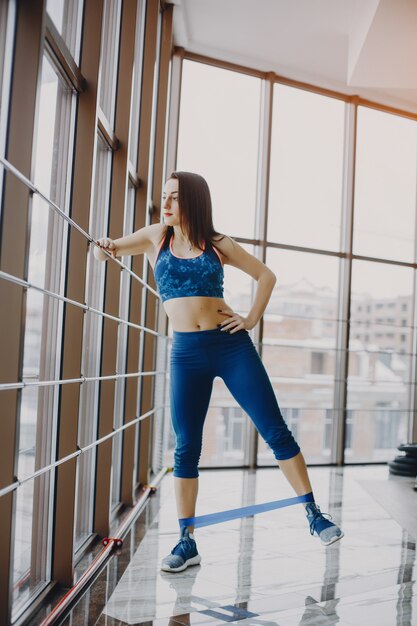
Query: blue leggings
[(197, 357)]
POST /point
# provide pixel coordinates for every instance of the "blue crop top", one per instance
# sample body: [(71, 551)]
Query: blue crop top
[(178, 277)]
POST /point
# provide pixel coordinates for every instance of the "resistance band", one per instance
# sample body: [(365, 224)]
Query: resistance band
[(245, 511)]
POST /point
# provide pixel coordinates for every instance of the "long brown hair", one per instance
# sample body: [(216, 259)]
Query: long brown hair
[(195, 212)]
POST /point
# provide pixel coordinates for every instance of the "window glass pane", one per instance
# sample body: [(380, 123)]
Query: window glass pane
[(385, 186), (162, 434), (67, 17), (120, 384), (7, 30), (109, 58), (379, 360), (7, 19), (299, 347), (239, 287), (137, 81), (43, 327), (218, 138), (3, 34), (305, 183), (91, 353)]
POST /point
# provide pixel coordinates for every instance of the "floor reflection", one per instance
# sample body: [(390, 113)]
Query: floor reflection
[(267, 569)]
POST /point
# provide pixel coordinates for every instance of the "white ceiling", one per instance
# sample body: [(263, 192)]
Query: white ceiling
[(362, 47)]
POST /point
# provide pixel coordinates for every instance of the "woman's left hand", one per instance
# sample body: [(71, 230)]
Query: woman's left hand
[(234, 321)]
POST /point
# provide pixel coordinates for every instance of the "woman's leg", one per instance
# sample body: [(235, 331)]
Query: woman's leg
[(186, 490), (191, 384), (246, 377), (295, 471)]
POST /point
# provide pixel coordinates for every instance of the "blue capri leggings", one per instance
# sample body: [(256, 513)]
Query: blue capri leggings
[(197, 357)]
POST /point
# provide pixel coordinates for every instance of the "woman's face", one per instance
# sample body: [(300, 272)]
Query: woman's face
[(170, 207)]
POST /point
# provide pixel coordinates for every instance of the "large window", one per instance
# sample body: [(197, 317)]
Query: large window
[(109, 58), (218, 138), (299, 346), (92, 345), (74, 106), (38, 408), (305, 188), (379, 359), (137, 79), (385, 186), (125, 284), (382, 297), (309, 206)]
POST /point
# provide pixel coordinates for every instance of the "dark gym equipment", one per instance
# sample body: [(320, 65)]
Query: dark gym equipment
[(405, 464)]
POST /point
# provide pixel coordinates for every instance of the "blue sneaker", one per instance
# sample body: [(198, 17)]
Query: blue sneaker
[(327, 531), (183, 554)]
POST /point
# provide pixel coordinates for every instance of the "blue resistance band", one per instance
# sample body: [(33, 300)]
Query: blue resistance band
[(245, 511)]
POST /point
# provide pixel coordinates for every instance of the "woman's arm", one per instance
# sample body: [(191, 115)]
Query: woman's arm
[(264, 290), (138, 242), (238, 257)]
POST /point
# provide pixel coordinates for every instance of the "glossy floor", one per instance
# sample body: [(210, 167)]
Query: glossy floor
[(268, 569)]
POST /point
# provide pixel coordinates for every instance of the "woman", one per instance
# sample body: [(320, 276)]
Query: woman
[(210, 339)]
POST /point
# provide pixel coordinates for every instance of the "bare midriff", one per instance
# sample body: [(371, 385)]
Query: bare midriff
[(192, 312)]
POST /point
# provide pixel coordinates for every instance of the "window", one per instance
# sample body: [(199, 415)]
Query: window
[(239, 288), (234, 428), (43, 325), (219, 114), (299, 340), (376, 376), (109, 58), (40, 45), (137, 78), (328, 430), (291, 415), (120, 385), (389, 430), (385, 185), (7, 19), (306, 168), (67, 17), (92, 333)]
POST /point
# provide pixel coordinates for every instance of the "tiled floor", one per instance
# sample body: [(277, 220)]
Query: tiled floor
[(267, 569)]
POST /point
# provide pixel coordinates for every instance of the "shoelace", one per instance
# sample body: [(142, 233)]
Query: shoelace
[(183, 540), (318, 514)]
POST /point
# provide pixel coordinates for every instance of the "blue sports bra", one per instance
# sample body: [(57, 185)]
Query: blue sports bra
[(178, 277)]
